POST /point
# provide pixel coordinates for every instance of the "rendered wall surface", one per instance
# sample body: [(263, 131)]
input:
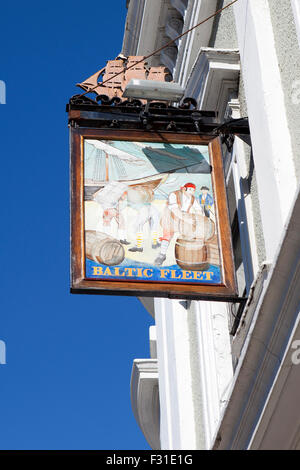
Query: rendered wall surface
[(288, 54), (224, 36), (224, 32)]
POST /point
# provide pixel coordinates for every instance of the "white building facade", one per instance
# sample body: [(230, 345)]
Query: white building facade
[(219, 377)]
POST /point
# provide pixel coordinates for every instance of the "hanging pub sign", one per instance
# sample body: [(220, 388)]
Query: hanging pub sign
[(149, 215)]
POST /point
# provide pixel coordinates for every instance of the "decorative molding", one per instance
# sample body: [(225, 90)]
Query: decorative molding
[(174, 27), (214, 78), (168, 57), (190, 44), (145, 399), (233, 109), (180, 5), (150, 25), (133, 26)]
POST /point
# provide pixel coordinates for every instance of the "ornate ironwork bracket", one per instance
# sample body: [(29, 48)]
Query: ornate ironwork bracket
[(229, 129), (107, 112)]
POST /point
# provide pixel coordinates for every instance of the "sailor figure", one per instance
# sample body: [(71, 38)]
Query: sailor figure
[(112, 199), (179, 215), (206, 201), (140, 199)]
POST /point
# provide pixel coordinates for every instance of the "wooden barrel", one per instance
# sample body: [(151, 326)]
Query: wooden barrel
[(103, 248), (213, 255), (191, 255), (196, 226)]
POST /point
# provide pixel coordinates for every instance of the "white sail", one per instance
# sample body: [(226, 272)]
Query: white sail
[(113, 152), (110, 195)]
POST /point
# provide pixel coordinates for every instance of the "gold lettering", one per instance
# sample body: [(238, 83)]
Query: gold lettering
[(97, 271), (150, 272), (208, 275), (173, 275), (117, 272), (139, 272), (107, 272), (186, 274), (164, 272), (129, 271), (198, 275)]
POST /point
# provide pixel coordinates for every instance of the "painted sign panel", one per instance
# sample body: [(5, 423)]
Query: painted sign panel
[(149, 212), (150, 215)]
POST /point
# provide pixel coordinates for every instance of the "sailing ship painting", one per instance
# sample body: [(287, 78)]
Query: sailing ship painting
[(149, 212)]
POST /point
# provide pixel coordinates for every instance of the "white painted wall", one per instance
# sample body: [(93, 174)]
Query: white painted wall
[(177, 426), (270, 134), (194, 369)]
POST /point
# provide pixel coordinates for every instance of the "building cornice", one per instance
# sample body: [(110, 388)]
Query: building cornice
[(190, 44), (145, 399), (214, 78), (149, 26), (133, 27)]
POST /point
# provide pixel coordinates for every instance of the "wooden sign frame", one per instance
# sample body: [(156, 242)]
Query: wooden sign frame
[(223, 290)]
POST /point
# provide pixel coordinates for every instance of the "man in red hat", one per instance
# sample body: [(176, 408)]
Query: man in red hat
[(176, 215)]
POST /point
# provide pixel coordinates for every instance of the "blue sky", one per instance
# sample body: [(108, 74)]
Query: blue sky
[(66, 384)]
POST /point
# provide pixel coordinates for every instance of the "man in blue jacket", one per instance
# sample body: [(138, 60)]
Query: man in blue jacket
[(206, 200)]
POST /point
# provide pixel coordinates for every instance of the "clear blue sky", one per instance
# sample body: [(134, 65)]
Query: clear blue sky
[(66, 384)]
